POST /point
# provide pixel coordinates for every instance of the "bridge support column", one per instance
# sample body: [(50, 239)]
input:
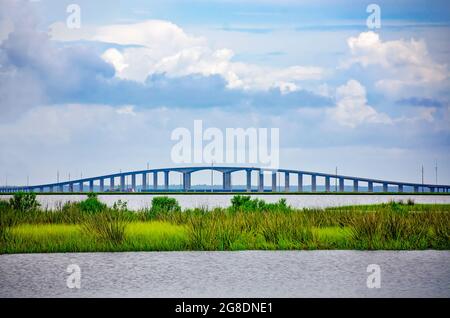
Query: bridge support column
[(133, 182), (370, 186), (102, 185), (327, 184), (300, 182), (249, 181), (313, 183), (286, 182), (355, 185), (416, 188), (155, 180), (50, 188), (385, 187), (341, 185), (61, 188), (91, 185), (81, 189), (226, 181), (186, 181), (166, 180), (274, 181), (111, 184), (261, 181), (122, 183), (400, 188), (144, 181), (70, 187), (431, 189)]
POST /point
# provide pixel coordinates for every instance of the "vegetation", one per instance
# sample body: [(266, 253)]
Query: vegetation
[(249, 223)]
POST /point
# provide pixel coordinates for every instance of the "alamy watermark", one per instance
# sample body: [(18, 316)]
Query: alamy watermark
[(239, 146), (374, 279), (374, 19), (74, 278)]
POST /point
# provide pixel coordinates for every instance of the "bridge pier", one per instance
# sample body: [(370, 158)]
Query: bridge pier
[(111, 184), (274, 181), (166, 180), (286, 182), (416, 188), (81, 186), (385, 187), (186, 181), (91, 185), (327, 184), (431, 189), (313, 183), (249, 181), (155, 180), (400, 188), (300, 182), (102, 185), (122, 183), (370, 186), (226, 181), (355, 185), (61, 188), (71, 187), (341, 185), (261, 181), (144, 181), (133, 182)]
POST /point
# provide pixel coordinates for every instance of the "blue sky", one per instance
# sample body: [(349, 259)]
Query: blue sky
[(106, 96)]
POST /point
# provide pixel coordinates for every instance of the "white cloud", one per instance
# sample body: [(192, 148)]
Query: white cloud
[(351, 108), (114, 57), (163, 47), (404, 64)]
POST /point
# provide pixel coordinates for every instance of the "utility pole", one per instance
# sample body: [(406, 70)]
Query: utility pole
[(436, 169), (212, 176), (335, 179), (422, 178)]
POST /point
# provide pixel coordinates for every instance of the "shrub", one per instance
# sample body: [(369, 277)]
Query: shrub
[(24, 202), (91, 205), (245, 203), (162, 206)]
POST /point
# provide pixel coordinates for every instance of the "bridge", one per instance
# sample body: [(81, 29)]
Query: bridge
[(90, 184)]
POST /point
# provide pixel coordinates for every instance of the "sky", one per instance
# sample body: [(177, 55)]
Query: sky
[(106, 94)]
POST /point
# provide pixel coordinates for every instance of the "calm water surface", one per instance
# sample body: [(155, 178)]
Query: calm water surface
[(136, 202), (228, 274)]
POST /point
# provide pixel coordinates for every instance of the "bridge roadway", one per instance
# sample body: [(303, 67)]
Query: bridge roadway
[(68, 186)]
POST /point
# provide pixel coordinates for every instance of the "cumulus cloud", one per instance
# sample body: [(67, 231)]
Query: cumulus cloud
[(163, 47), (33, 71), (404, 64), (351, 107)]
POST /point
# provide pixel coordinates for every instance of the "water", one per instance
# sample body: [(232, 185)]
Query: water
[(140, 201), (228, 274)]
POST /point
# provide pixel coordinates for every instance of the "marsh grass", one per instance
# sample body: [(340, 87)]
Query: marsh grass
[(247, 224)]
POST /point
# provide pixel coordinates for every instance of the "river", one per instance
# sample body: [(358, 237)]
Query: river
[(140, 201), (228, 274)]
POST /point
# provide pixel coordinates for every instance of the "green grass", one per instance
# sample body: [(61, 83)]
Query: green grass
[(140, 236), (249, 224)]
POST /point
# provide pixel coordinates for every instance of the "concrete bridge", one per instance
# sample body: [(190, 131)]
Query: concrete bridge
[(142, 177)]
